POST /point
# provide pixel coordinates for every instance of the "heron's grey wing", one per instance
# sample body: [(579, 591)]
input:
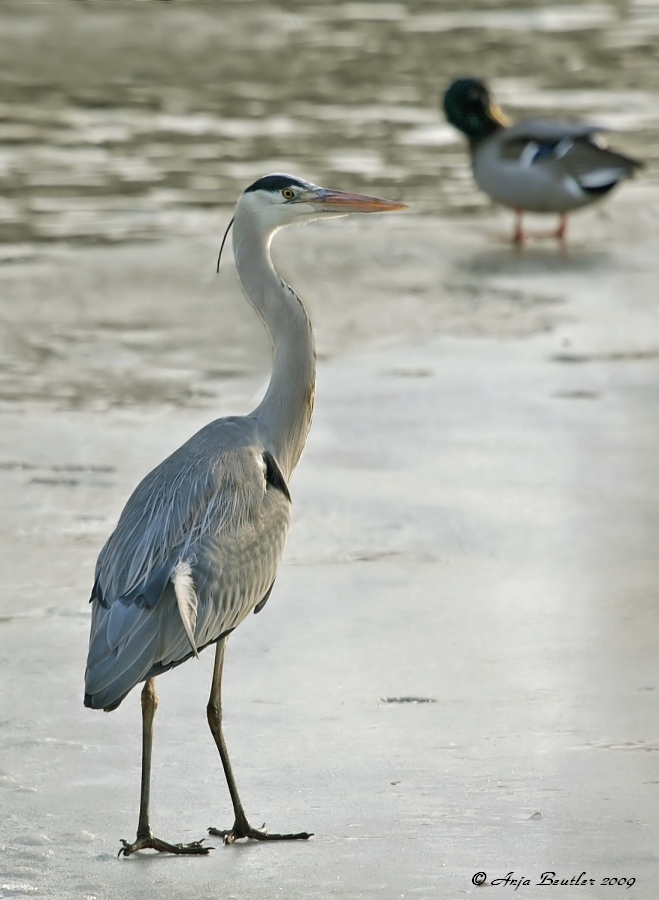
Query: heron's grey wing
[(206, 482), (227, 594), (195, 549)]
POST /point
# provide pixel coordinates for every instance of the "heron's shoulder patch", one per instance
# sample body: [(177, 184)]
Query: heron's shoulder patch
[(274, 476)]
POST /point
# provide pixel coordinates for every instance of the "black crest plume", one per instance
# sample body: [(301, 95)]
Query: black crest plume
[(219, 255)]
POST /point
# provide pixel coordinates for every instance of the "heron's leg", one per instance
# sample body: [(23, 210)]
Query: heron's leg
[(241, 827), (145, 839)]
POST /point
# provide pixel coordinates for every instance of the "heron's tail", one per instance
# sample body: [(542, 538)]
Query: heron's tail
[(122, 648), (92, 702)]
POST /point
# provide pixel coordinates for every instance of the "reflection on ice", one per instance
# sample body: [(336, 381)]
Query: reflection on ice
[(430, 136), (544, 18), (364, 162)]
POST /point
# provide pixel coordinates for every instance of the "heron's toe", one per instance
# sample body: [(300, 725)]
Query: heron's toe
[(195, 848), (255, 834)]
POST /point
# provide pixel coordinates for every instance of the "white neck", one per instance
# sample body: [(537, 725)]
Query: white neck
[(284, 414)]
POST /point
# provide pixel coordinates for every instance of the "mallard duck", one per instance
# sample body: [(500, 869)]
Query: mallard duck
[(540, 165)]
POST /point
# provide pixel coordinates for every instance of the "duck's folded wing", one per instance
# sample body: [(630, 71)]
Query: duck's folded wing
[(547, 130), (577, 146), (538, 140)]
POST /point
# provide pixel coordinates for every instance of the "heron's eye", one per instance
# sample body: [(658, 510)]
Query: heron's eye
[(288, 193)]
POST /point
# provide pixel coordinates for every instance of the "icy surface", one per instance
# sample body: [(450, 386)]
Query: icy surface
[(475, 523)]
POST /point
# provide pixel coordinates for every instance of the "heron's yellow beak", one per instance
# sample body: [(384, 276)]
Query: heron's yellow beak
[(340, 202)]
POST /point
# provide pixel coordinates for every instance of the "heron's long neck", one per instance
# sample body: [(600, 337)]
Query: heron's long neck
[(284, 414)]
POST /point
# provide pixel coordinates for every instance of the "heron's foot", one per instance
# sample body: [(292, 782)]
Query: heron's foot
[(153, 843), (245, 830)]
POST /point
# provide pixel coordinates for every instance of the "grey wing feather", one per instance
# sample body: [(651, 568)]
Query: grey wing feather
[(211, 507), (571, 148), (259, 606), (542, 130), (595, 167)]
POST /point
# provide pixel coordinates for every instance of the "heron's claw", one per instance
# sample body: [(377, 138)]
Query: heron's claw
[(154, 843), (246, 831)]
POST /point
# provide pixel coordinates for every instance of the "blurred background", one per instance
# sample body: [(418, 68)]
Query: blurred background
[(135, 124), (133, 120)]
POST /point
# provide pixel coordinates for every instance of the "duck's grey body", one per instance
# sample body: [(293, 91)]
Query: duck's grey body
[(547, 167)]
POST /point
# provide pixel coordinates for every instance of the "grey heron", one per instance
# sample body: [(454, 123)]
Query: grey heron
[(198, 544), (541, 165)]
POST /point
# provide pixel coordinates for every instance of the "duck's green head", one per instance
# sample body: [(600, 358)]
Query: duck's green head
[(468, 106)]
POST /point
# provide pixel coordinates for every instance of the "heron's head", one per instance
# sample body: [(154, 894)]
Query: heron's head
[(275, 201), (279, 200), (468, 107)]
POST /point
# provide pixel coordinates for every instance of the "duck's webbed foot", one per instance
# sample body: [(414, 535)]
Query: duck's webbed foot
[(245, 830), (149, 842)]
